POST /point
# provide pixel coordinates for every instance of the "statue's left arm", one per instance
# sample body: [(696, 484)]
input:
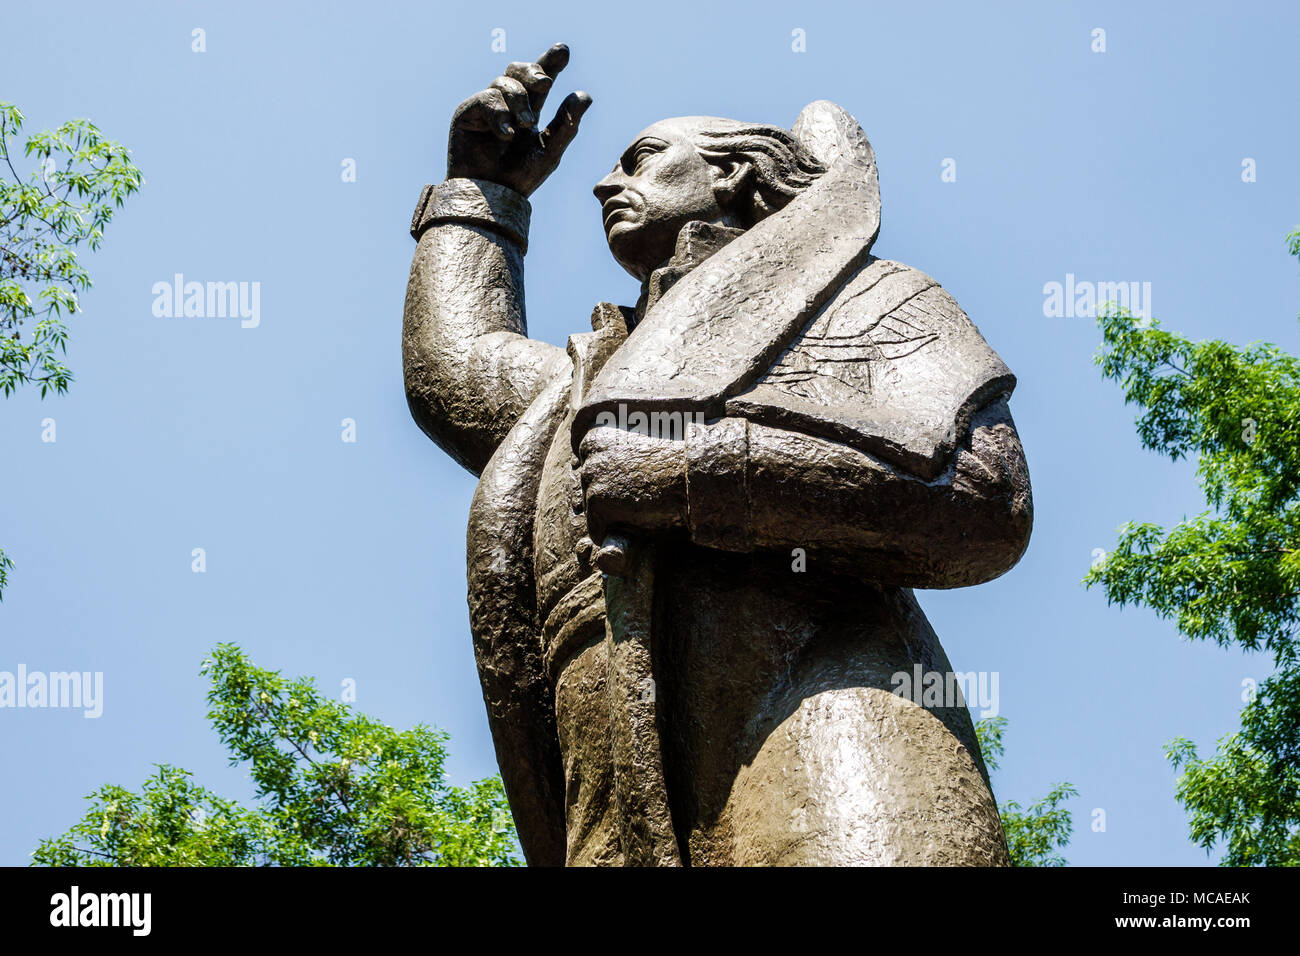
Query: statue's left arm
[(740, 486)]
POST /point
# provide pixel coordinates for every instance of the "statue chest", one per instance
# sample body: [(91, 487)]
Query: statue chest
[(567, 580), (559, 561)]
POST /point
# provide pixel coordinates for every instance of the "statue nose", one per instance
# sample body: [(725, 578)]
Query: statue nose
[(606, 188)]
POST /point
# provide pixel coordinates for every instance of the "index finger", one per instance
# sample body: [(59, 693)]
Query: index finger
[(534, 80), (537, 78), (554, 60)]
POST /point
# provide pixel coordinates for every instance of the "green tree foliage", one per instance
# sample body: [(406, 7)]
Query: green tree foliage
[(1230, 574), (334, 788), (6, 566), (80, 178), (1034, 833)]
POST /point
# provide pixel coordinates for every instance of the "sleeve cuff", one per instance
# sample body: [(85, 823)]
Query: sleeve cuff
[(717, 485), (474, 202)]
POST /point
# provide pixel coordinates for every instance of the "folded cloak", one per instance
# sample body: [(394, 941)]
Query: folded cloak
[(795, 324)]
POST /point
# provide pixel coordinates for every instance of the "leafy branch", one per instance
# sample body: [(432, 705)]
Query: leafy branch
[(80, 178), (333, 787), (1034, 835), (1230, 574)]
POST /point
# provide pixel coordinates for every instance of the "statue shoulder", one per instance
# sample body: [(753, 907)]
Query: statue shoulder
[(891, 364), (887, 312), (883, 288)]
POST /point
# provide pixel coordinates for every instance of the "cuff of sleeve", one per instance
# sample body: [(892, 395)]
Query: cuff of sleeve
[(475, 202), (717, 484)]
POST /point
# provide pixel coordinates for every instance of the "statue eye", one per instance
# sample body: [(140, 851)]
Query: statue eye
[(634, 156)]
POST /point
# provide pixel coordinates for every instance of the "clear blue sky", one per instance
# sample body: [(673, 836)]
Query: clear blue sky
[(347, 560)]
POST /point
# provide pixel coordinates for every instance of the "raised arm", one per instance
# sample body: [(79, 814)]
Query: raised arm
[(469, 367)]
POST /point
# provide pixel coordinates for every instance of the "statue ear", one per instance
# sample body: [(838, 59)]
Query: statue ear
[(731, 179)]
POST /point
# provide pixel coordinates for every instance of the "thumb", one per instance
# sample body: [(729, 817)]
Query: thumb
[(564, 126)]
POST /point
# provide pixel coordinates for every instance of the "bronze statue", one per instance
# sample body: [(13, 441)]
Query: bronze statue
[(695, 532)]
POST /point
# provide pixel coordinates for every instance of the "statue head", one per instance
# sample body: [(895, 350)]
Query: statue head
[(692, 168)]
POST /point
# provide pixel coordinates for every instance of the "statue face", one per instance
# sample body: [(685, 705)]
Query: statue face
[(660, 183)]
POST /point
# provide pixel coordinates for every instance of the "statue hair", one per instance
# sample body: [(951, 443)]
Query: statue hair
[(783, 167)]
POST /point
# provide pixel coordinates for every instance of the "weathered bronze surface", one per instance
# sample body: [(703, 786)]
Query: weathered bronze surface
[(695, 532)]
